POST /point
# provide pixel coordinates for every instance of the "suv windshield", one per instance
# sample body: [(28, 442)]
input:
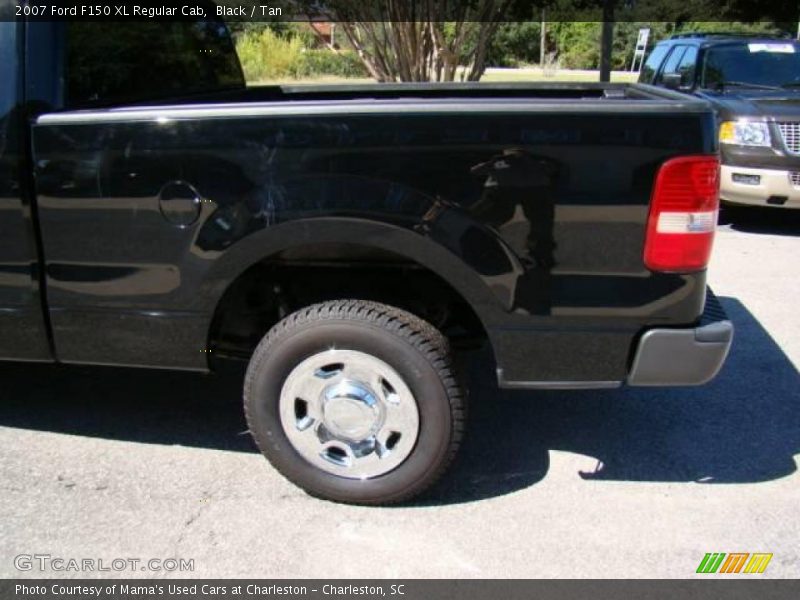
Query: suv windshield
[(758, 63)]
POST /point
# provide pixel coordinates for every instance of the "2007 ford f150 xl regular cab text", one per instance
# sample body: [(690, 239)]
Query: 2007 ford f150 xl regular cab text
[(157, 212)]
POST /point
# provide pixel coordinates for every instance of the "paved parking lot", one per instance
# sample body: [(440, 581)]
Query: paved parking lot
[(107, 463)]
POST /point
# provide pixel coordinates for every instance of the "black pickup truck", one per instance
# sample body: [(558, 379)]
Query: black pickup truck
[(753, 83), (157, 212)]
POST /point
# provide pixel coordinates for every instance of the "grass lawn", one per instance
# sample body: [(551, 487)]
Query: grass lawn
[(491, 76), (521, 75)]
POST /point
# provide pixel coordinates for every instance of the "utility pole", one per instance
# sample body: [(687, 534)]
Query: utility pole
[(543, 40), (606, 40)]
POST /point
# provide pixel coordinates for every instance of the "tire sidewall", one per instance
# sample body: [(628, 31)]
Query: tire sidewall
[(268, 372)]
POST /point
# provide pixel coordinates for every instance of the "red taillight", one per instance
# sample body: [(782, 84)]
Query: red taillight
[(683, 214)]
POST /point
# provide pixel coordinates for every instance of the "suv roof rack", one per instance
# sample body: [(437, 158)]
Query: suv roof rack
[(726, 34)]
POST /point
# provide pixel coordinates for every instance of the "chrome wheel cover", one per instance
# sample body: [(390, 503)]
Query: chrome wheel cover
[(349, 413)]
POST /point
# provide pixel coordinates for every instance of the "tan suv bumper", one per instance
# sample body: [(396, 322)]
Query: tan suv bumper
[(774, 188)]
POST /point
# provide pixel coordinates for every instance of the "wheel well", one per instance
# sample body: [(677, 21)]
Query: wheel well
[(283, 283)]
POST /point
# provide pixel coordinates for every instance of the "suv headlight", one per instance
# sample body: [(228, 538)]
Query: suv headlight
[(744, 133)]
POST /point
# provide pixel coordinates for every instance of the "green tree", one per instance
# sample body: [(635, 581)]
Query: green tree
[(578, 43), (514, 44)]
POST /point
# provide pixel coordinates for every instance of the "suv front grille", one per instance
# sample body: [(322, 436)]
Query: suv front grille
[(790, 132), (794, 176)]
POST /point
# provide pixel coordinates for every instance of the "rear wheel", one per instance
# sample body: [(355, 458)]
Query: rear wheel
[(355, 402)]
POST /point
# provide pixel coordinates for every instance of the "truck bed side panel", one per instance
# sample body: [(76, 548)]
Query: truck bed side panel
[(536, 216)]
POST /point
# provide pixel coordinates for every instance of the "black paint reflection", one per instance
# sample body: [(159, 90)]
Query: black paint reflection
[(22, 330), (520, 187), (529, 221)]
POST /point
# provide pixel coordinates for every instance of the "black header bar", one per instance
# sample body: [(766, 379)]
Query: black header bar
[(676, 11)]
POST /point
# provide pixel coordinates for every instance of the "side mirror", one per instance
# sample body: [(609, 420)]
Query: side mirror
[(671, 81)]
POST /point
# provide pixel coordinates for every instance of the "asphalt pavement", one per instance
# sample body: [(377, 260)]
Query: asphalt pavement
[(106, 463)]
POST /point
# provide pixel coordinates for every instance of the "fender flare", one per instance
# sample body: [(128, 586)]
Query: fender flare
[(406, 243)]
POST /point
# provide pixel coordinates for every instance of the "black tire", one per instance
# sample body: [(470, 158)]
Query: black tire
[(416, 350)]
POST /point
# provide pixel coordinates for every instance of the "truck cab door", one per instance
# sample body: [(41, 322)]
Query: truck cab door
[(23, 333), (118, 208)]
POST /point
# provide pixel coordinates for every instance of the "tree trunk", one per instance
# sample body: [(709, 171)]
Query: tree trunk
[(401, 43)]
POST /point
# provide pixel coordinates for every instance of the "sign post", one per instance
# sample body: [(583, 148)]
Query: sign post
[(641, 49)]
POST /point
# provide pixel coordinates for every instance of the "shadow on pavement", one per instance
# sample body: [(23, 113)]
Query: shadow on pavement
[(744, 427), (139, 405), (758, 219)]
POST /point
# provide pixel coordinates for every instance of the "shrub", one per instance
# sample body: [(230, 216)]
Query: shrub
[(326, 62), (266, 55)]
